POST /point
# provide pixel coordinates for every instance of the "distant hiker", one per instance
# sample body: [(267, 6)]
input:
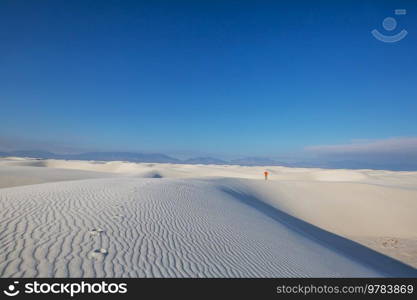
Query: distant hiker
[(266, 175)]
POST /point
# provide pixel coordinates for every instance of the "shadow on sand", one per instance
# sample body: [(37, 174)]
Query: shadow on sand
[(377, 261)]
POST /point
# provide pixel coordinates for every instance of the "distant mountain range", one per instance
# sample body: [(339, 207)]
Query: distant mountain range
[(248, 161), (206, 161), (143, 157), (257, 161), (103, 156)]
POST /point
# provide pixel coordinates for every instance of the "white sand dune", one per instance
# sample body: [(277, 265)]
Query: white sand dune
[(119, 219)]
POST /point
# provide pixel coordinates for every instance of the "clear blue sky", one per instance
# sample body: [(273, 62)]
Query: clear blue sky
[(227, 77)]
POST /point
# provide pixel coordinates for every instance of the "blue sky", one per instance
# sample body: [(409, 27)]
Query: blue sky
[(221, 77)]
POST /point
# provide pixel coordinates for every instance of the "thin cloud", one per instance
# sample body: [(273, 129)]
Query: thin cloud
[(393, 153), (387, 146)]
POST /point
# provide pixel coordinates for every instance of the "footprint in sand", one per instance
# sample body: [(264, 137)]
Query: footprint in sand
[(118, 216), (390, 243), (98, 254), (95, 232)]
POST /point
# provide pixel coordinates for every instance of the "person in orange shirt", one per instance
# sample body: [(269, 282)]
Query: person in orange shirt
[(266, 175)]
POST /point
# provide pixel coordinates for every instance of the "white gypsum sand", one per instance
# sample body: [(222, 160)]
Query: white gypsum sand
[(118, 219)]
